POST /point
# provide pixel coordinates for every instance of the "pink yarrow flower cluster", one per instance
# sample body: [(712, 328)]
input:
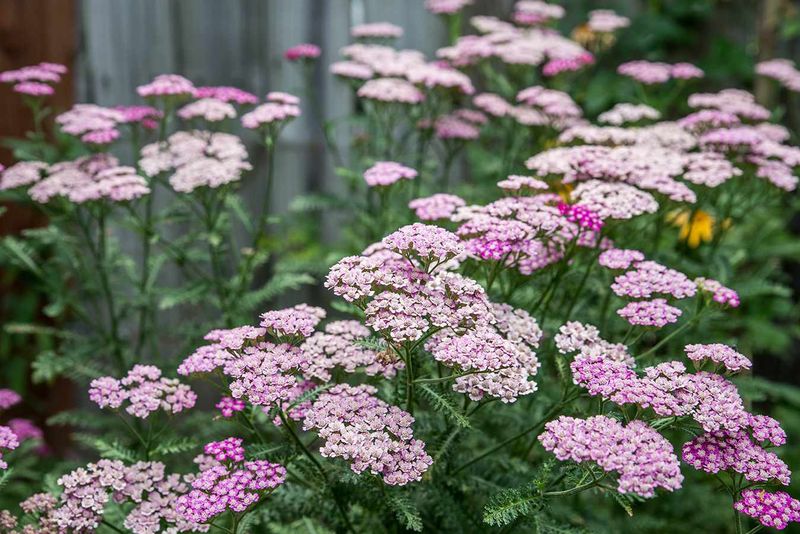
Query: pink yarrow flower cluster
[(196, 159), (581, 215), (145, 391), (386, 173), (782, 70), (718, 353), (228, 406), (649, 72), (436, 207), (302, 51), (359, 427), (376, 30), (9, 398), (226, 94), (648, 278), (167, 86), (719, 293), (8, 442), (657, 313), (277, 110), (87, 491), (643, 459), (230, 483), (771, 509), (391, 90), (34, 80)]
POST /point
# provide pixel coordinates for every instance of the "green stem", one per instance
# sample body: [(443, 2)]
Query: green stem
[(572, 491), (552, 411)]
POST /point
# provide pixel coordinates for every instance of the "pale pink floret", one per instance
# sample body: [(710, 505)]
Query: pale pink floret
[(718, 353), (654, 312), (386, 173), (391, 90), (436, 207), (643, 459), (167, 85)]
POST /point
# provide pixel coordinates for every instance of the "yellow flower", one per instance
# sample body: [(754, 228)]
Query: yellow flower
[(696, 227), (563, 190)]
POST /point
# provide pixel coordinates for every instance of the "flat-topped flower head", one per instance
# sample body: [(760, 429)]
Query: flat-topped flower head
[(294, 322), (446, 7), (234, 486), (33, 89), (452, 127), (616, 258), (265, 374), (44, 73), (429, 246), (228, 406), (386, 173), (614, 200), (376, 30), (772, 509), (302, 51), (22, 173), (87, 490), (392, 90), (720, 294), (226, 94), (436, 207), (781, 70), (196, 159), (648, 278), (492, 104), (145, 391), (9, 398), (352, 70), (606, 21), (279, 109), (727, 356), (8, 442), (209, 109), (518, 183), (536, 12), (713, 452), (625, 113), (581, 215), (167, 85), (765, 429), (227, 450), (734, 101), (654, 312), (372, 435), (437, 76), (643, 458)]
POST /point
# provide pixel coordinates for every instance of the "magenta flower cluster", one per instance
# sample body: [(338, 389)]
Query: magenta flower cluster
[(771, 509), (229, 483)]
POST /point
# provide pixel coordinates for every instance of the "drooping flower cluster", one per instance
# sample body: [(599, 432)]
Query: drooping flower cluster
[(196, 159), (359, 427), (145, 391), (228, 483), (642, 458)]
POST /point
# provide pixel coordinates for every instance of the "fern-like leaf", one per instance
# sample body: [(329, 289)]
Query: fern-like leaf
[(406, 512), (445, 405), (510, 504)]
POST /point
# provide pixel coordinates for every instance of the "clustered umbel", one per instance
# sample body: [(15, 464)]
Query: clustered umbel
[(386, 173), (144, 390), (196, 159), (8, 442), (359, 427), (228, 482), (87, 491), (642, 458), (720, 294), (278, 109), (34, 80), (771, 509), (718, 353), (86, 179), (436, 207)]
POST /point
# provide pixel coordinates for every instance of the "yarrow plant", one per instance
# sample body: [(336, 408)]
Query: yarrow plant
[(537, 313)]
